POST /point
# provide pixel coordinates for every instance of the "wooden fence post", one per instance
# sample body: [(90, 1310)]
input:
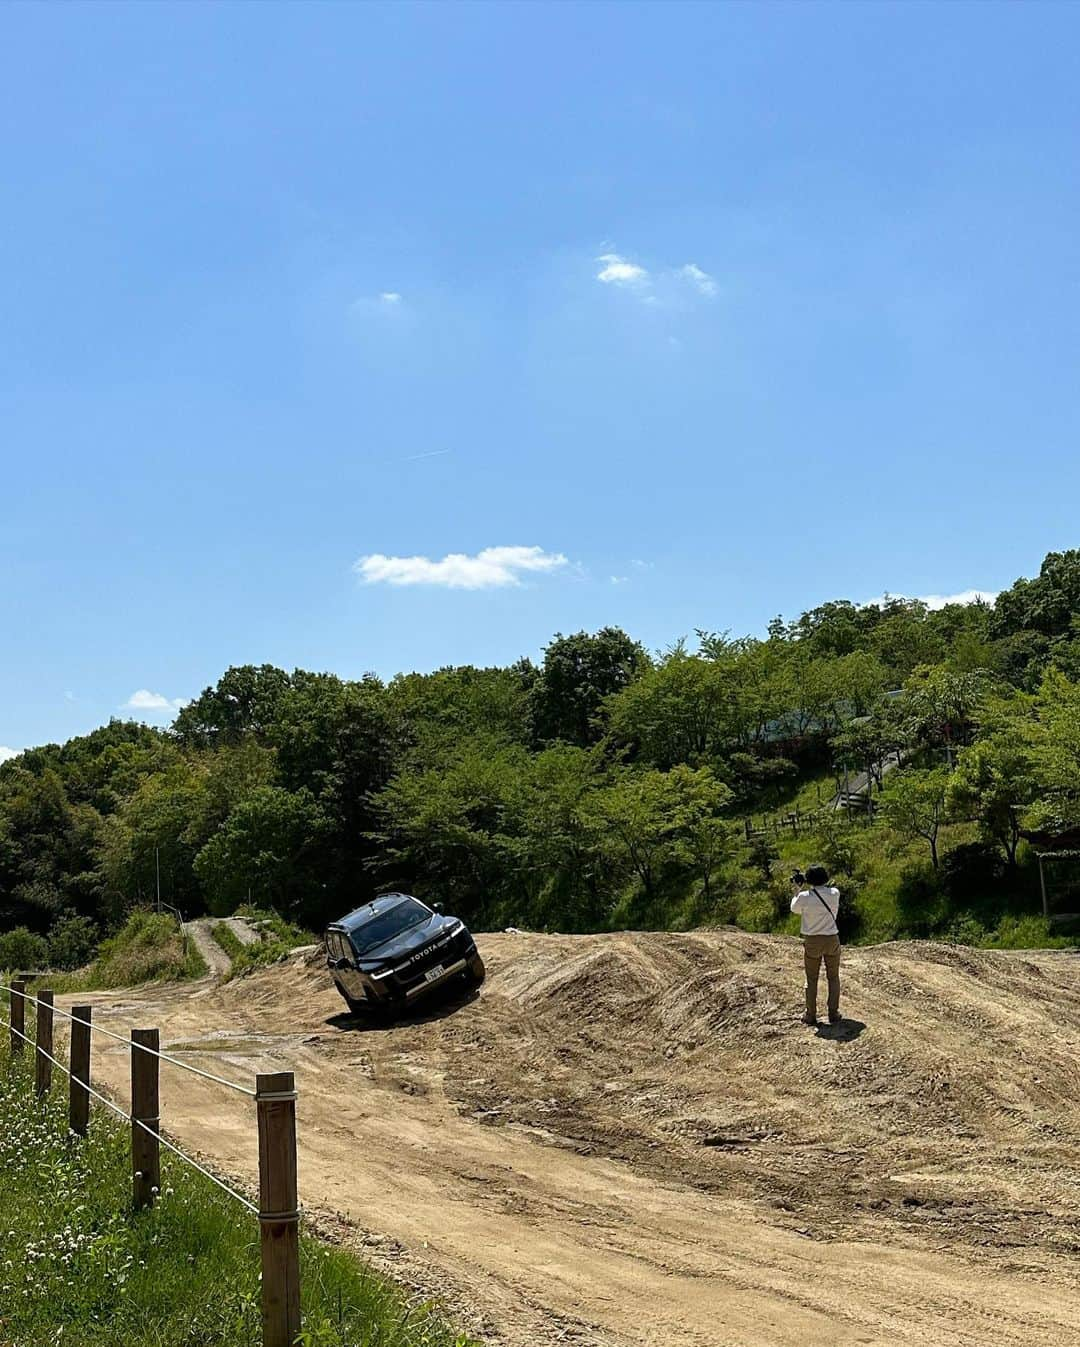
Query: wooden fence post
[(79, 1096), (279, 1217), (145, 1148), (18, 1015), (43, 1062)]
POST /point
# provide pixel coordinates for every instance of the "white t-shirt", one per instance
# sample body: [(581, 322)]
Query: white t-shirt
[(817, 918)]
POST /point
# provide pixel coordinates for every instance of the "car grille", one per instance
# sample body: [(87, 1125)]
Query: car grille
[(446, 951)]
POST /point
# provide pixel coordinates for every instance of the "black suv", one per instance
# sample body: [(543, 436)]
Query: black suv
[(390, 952)]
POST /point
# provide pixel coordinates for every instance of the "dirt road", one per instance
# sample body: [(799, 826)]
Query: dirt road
[(215, 957), (630, 1139)]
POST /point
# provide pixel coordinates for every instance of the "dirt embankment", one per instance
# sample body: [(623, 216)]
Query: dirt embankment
[(631, 1138)]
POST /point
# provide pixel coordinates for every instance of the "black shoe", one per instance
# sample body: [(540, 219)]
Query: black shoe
[(836, 1019), (811, 1020)]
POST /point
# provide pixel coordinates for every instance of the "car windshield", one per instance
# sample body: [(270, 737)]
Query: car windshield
[(388, 924)]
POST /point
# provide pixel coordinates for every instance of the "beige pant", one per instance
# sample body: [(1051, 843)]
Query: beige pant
[(816, 948)]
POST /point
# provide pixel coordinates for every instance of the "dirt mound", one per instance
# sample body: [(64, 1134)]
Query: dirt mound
[(952, 1082), (628, 1138)]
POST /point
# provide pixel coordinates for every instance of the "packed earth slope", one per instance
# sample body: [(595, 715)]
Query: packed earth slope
[(631, 1138)]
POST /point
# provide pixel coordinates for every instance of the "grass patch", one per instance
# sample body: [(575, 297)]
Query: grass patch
[(78, 1268), (148, 948), (277, 938), (227, 938)]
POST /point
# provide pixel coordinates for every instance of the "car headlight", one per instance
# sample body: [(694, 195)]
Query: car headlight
[(387, 972), (457, 928)]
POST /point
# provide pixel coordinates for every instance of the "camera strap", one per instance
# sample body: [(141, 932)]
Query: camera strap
[(823, 903)]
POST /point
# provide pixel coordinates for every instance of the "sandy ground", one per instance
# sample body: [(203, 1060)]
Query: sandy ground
[(630, 1139)]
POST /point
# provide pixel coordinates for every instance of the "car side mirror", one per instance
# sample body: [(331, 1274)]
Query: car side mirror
[(338, 963), (437, 907)]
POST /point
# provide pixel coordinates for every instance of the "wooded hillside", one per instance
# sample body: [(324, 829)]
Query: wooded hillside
[(603, 787)]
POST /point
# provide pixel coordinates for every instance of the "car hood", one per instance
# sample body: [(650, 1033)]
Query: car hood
[(408, 942)]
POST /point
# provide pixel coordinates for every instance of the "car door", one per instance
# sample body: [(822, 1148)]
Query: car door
[(348, 979)]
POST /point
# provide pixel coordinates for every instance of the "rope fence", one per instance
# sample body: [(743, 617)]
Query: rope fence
[(110, 1033), (275, 1100), (137, 1122)]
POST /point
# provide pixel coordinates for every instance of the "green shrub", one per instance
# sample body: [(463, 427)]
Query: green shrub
[(972, 870), (72, 941), (227, 938), (148, 948), (756, 912), (277, 938), (22, 951), (1030, 932)]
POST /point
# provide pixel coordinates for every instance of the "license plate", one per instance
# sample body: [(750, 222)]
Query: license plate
[(433, 974)]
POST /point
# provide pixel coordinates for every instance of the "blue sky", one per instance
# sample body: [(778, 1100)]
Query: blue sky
[(659, 315)]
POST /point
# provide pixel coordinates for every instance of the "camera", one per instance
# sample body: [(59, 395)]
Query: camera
[(798, 877)]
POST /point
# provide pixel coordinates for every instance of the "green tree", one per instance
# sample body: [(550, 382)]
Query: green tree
[(47, 848), (914, 805), (943, 706), (633, 822), (995, 783), (245, 700), (704, 841), (552, 839), (156, 834), (267, 851), (433, 712), (681, 710), (1046, 604), (445, 831), (336, 740), (904, 639), (647, 820), (578, 674), (1053, 734)]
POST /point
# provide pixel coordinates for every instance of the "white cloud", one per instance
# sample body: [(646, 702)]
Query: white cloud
[(145, 700), (666, 286), (492, 568), (7, 753), (618, 271), (701, 279), (619, 579), (936, 601), (386, 301)]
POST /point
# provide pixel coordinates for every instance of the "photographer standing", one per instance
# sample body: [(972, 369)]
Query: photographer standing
[(818, 905)]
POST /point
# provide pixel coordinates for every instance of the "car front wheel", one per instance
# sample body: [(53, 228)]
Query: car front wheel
[(476, 970), (355, 1007)]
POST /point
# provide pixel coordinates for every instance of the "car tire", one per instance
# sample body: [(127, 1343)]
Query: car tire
[(476, 971), (386, 1012), (355, 1007)]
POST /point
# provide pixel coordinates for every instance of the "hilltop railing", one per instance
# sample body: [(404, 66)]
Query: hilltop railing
[(275, 1103)]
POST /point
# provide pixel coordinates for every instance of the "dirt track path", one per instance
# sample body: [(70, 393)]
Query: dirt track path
[(214, 956), (216, 959), (630, 1140)]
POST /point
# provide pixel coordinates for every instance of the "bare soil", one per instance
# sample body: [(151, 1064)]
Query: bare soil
[(631, 1139)]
